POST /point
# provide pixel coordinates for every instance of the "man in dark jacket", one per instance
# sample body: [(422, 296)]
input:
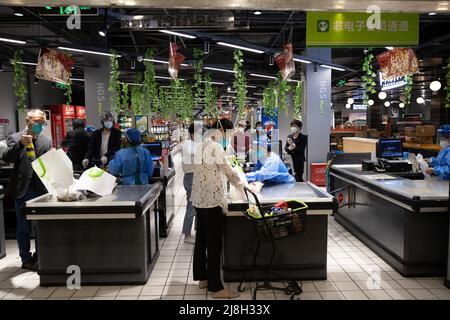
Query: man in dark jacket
[(295, 146), (104, 142), (24, 184), (77, 141)]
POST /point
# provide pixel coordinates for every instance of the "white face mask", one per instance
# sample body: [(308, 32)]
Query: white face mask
[(444, 144), (294, 129), (241, 130)]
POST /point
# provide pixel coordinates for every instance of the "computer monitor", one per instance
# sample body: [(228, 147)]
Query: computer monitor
[(389, 148), (155, 149)]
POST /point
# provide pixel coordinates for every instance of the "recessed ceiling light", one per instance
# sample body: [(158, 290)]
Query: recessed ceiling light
[(257, 12), (432, 14), (138, 17), (17, 13)]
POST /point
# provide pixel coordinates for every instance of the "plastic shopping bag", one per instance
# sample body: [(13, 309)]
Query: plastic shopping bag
[(423, 165), (96, 180)]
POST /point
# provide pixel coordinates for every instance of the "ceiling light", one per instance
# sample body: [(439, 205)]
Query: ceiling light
[(88, 51), (214, 82), (138, 17), (401, 105), (435, 85), (102, 33), (271, 60), (25, 63), (253, 87), (262, 76), (382, 95), (164, 62), (350, 100), (370, 102), (239, 47), (257, 13), (206, 48), (420, 100), (18, 13), (76, 79), (258, 94), (348, 106), (293, 80), (389, 48), (167, 78), (13, 41), (332, 67), (432, 14), (387, 104), (178, 34), (301, 60), (219, 69)]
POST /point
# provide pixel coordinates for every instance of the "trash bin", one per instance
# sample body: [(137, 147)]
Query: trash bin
[(2, 226)]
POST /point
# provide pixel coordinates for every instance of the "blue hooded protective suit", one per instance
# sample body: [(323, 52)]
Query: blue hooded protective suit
[(441, 164), (133, 164), (272, 171)]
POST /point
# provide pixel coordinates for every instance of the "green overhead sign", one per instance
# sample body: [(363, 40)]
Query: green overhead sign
[(350, 29)]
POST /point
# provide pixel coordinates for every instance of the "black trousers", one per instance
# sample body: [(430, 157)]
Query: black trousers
[(208, 246), (299, 166)]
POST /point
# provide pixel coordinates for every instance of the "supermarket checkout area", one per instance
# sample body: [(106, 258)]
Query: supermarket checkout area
[(112, 239), (300, 257)]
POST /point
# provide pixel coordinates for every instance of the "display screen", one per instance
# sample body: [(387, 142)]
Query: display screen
[(391, 148)]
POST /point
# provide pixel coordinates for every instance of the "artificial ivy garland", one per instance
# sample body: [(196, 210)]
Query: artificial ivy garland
[(137, 95), (198, 68), (298, 100), (239, 83), (20, 80), (150, 84), (368, 79), (282, 90), (68, 92), (125, 98), (270, 100), (114, 84), (210, 97), (408, 90)]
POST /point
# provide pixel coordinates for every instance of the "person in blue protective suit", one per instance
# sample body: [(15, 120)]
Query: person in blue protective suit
[(133, 164), (440, 166)]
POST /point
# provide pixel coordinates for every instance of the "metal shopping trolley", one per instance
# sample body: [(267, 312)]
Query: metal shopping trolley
[(270, 228)]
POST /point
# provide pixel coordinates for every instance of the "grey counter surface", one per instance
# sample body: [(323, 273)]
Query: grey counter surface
[(428, 189)]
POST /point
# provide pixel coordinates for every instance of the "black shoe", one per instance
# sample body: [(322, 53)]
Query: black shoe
[(30, 265), (34, 257)]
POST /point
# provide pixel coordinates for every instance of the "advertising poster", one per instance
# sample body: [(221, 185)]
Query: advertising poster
[(142, 123), (54, 66), (397, 63)]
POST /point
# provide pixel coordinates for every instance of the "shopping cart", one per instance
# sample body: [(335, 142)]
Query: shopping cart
[(270, 228)]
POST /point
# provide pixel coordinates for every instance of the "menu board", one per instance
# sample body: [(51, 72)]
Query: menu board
[(54, 66)]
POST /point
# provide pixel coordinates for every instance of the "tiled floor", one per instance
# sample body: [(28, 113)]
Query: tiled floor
[(354, 273)]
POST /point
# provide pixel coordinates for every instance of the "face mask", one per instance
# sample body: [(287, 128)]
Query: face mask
[(108, 124), (37, 128), (444, 144), (294, 129), (241, 130), (224, 142), (259, 128)]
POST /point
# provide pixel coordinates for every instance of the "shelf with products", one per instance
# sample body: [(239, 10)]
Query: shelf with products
[(125, 122)]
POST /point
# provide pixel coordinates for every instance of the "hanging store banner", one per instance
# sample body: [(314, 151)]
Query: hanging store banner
[(356, 29), (54, 66), (398, 63), (285, 62)]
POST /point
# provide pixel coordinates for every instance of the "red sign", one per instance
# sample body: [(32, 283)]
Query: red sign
[(398, 62), (80, 111), (175, 60), (340, 197), (318, 174), (285, 62), (54, 66), (68, 111)]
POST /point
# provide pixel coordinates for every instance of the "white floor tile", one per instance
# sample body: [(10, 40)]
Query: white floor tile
[(422, 294), (160, 273), (310, 296), (17, 294), (179, 273), (390, 284), (409, 284), (323, 286), (194, 290), (127, 297), (346, 286), (86, 291), (127, 291), (354, 295), (181, 265), (62, 292), (443, 294), (162, 266), (338, 277), (156, 281), (40, 293), (149, 297), (108, 291), (195, 297), (378, 295), (431, 283), (172, 297), (399, 294), (152, 291), (332, 295), (176, 281), (174, 290)]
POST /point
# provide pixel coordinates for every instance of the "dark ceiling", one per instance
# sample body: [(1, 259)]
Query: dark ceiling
[(270, 29)]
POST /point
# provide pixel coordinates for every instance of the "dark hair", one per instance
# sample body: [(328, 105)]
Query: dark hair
[(258, 123), (191, 128), (298, 123), (78, 123), (224, 124)]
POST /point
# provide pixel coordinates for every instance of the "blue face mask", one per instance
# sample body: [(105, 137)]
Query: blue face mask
[(37, 128), (224, 142), (108, 124)]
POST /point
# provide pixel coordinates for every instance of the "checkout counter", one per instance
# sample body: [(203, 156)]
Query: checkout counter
[(113, 239), (301, 257)]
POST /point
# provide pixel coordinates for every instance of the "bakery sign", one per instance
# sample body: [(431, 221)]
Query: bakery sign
[(397, 63), (392, 83), (54, 66)]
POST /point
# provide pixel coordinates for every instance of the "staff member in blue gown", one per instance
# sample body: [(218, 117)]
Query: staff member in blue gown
[(440, 166), (133, 164)]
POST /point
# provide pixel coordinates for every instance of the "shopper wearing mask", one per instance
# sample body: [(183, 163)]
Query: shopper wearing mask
[(76, 141), (104, 142), (188, 169), (134, 164), (241, 139), (24, 147), (440, 166), (208, 198), (295, 146)]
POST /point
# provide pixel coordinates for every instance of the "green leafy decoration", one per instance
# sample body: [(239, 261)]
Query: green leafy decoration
[(20, 80), (282, 90), (150, 84), (211, 97), (447, 87), (198, 68), (125, 98), (68, 92), (137, 96), (270, 100), (369, 76), (239, 83), (114, 84), (298, 100), (186, 102), (164, 103), (408, 90)]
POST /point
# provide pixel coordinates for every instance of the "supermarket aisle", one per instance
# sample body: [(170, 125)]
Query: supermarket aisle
[(354, 272)]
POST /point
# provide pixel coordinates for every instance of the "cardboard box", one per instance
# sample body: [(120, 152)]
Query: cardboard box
[(410, 131), (361, 134), (425, 140), (426, 131)]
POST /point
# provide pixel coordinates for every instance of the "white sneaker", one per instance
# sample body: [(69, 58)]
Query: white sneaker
[(189, 239)]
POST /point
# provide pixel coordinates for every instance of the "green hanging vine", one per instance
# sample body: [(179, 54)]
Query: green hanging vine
[(137, 95), (408, 90), (211, 98), (164, 103), (125, 99), (368, 79), (150, 84), (270, 100), (298, 100), (20, 80), (239, 83), (68, 92), (186, 102), (114, 84), (198, 68), (447, 87), (282, 90)]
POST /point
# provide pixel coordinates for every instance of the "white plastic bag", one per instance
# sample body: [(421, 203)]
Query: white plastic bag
[(423, 166), (96, 180)]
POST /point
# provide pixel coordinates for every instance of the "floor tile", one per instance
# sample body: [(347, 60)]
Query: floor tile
[(127, 291), (409, 284), (162, 266), (378, 295), (194, 290), (174, 290), (325, 286), (108, 291), (156, 281), (172, 297), (62, 292), (17, 294), (443, 294), (152, 291), (39, 293), (390, 284), (310, 296), (149, 297), (176, 281), (339, 277), (422, 294), (332, 295), (160, 273), (179, 273), (431, 283), (195, 296), (354, 295), (127, 298), (181, 265), (346, 286), (399, 294)]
